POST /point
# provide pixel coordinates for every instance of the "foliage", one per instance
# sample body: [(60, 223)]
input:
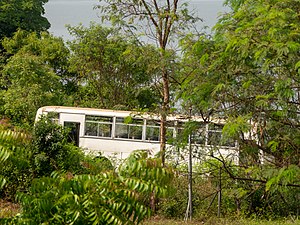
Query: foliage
[(38, 155), (106, 198), (24, 14), (14, 166), (175, 205), (50, 49), (259, 191), (166, 21), (112, 69), (259, 84), (51, 150), (257, 94), (234, 4), (197, 84), (221, 221), (8, 140), (247, 73), (262, 79), (33, 76), (205, 186), (95, 164), (30, 88), (8, 209), (142, 173)]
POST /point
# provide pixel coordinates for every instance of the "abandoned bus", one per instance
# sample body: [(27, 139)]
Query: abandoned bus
[(118, 133)]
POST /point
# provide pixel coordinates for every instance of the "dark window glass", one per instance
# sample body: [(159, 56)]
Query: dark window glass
[(129, 128), (170, 133), (214, 138), (152, 133), (152, 130), (91, 129), (214, 126), (99, 126), (99, 119), (199, 135)]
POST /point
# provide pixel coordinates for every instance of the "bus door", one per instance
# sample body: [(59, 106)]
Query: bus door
[(74, 128)]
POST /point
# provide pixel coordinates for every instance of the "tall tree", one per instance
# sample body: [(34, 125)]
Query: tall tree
[(161, 22), (112, 69), (259, 44), (34, 76), (261, 52), (251, 71), (197, 83), (23, 14)]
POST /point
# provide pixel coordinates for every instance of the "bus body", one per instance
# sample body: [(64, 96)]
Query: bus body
[(118, 133)]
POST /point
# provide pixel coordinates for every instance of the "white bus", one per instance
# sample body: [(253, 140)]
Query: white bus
[(118, 133)]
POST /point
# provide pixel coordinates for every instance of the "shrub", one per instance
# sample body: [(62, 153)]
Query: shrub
[(24, 157), (105, 198), (51, 150), (15, 169)]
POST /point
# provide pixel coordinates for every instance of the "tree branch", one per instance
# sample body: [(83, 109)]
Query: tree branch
[(232, 176)]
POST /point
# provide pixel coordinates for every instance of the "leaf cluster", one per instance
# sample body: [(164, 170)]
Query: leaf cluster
[(105, 198), (115, 72), (23, 14), (10, 142)]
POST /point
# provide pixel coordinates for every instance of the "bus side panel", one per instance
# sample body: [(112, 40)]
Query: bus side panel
[(120, 148)]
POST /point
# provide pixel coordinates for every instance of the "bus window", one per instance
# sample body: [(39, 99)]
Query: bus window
[(215, 136), (170, 132), (199, 135), (131, 130), (100, 126), (181, 136), (152, 130)]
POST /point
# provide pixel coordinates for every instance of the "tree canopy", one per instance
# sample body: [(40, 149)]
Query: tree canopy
[(23, 14), (248, 74), (34, 76), (113, 71), (262, 53)]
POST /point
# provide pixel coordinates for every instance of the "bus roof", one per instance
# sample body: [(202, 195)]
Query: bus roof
[(117, 113)]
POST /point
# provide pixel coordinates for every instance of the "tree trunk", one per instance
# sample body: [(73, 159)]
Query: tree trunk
[(164, 113)]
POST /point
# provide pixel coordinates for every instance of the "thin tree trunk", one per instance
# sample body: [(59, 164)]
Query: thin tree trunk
[(164, 113)]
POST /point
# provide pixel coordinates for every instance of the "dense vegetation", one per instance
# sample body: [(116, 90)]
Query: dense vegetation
[(246, 72)]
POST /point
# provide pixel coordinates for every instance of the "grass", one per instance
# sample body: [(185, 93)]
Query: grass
[(9, 209), (221, 221)]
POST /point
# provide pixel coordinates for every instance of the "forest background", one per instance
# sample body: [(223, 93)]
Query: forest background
[(246, 72)]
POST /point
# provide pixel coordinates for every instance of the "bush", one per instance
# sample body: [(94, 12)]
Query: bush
[(105, 198), (15, 168), (95, 165), (51, 150), (35, 156), (240, 197)]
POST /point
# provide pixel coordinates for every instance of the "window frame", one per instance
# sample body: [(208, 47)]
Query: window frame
[(98, 123)]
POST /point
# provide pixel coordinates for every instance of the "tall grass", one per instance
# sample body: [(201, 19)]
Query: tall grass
[(222, 221)]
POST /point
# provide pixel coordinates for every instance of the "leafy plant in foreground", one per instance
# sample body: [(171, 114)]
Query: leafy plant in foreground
[(106, 198), (13, 156)]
